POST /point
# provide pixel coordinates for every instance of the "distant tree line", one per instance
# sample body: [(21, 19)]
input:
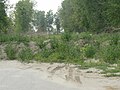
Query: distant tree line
[(25, 17), (3, 17), (73, 16), (90, 15)]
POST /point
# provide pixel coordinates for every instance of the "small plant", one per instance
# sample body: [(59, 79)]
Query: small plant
[(54, 43), (46, 53), (11, 52), (115, 39), (13, 38), (86, 35), (41, 44), (110, 54), (66, 37), (26, 55), (89, 51)]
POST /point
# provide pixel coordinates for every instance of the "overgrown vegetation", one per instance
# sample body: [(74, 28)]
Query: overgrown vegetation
[(90, 33), (25, 55), (95, 51), (78, 47), (11, 52)]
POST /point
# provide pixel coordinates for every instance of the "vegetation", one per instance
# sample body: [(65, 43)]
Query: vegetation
[(90, 15), (3, 17), (25, 55), (23, 15), (11, 52), (85, 32)]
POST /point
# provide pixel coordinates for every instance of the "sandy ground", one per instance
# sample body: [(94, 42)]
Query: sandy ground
[(59, 74)]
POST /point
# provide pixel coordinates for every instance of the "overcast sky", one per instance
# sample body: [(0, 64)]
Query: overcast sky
[(45, 5)]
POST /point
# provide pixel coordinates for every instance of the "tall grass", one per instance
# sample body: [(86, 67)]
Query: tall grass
[(11, 52), (64, 49)]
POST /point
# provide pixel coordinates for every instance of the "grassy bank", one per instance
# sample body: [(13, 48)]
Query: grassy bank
[(89, 50)]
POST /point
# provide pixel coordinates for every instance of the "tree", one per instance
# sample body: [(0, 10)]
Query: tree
[(3, 17), (39, 21), (49, 21), (83, 15), (94, 11), (57, 22), (23, 15), (113, 13), (66, 13)]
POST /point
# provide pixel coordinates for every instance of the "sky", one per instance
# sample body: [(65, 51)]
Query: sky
[(44, 5)]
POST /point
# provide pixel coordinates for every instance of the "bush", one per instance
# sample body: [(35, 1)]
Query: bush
[(13, 37), (11, 52), (89, 51), (26, 55), (56, 57), (86, 35), (115, 39), (54, 43), (41, 43), (110, 54), (66, 37), (46, 53)]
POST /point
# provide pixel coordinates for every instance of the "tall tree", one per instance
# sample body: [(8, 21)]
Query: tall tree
[(90, 15), (66, 13), (57, 22), (94, 11), (113, 13), (39, 21), (3, 17), (49, 21), (23, 15)]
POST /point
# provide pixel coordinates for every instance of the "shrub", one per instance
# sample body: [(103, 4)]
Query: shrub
[(11, 52), (115, 39), (110, 54), (86, 35), (66, 37), (26, 55), (54, 43), (13, 37), (38, 57), (89, 51), (41, 43), (46, 53)]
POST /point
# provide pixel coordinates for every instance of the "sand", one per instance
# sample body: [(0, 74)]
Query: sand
[(67, 75)]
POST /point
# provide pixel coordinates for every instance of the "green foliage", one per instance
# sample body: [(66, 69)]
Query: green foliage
[(54, 43), (3, 17), (113, 12), (23, 15), (11, 52), (39, 21), (89, 51), (90, 15), (25, 55), (110, 54), (98, 65), (49, 21), (57, 23), (86, 35), (67, 47), (115, 39), (40, 43), (13, 38), (66, 37), (46, 53)]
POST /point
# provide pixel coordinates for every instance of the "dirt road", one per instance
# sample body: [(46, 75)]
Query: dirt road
[(18, 76)]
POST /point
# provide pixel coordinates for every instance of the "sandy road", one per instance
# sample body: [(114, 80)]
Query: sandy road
[(17, 76), (14, 76), (16, 79)]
